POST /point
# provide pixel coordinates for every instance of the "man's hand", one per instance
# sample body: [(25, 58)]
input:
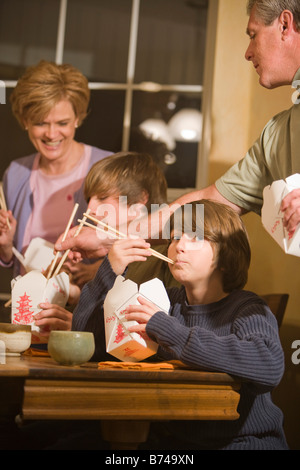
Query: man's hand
[(290, 207), (87, 244)]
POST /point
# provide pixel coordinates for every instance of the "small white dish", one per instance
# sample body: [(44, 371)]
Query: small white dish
[(17, 338)]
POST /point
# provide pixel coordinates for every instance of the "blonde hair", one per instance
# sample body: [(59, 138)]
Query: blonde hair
[(129, 174), (46, 84), (225, 230)]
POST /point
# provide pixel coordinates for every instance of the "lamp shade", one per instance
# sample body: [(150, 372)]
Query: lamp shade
[(186, 125), (157, 129)]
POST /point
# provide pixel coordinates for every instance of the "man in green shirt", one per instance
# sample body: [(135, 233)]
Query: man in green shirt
[(274, 50)]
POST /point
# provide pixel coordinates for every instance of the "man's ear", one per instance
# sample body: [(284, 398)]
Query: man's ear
[(286, 22)]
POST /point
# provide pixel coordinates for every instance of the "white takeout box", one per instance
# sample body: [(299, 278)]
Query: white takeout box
[(38, 255), (121, 343), (29, 291), (272, 217)]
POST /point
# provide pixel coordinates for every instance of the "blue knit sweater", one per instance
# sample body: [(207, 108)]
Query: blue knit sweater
[(237, 335)]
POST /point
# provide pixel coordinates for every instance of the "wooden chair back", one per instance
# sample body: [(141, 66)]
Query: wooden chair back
[(277, 304)]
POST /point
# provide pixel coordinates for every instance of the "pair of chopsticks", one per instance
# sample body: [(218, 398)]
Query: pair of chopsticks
[(3, 203), (116, 234), (64, 257)]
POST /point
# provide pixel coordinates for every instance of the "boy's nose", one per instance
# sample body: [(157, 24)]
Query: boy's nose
[(181, 244)]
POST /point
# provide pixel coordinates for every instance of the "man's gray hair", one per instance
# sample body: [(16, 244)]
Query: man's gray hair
[(269, 10)]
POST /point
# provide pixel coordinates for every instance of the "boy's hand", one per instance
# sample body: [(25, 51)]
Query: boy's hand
[(81, 273), (140, 313), (53, 317), (124, 252)]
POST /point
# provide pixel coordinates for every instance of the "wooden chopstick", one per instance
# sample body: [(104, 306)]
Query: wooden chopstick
[(64, 257), (8, 303), (122, 235), (108, 227), (3, 204), (63, 239), (99, 229)]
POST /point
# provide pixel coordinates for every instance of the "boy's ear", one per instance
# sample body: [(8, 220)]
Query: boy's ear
[(144, 198)]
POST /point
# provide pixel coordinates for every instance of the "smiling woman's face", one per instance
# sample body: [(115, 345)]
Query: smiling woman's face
[(54, 136)]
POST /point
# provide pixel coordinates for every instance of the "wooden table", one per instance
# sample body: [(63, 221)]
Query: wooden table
[(125, 401)]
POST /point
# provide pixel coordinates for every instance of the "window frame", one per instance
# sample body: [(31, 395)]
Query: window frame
[(129, 87)]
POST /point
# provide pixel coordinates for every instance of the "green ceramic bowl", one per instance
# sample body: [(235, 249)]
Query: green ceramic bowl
[(71, 348), (17, 338)]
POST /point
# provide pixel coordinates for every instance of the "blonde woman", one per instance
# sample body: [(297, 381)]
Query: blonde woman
[(50, 102)]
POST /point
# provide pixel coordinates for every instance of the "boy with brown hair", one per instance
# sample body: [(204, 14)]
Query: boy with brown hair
[(213, 324)]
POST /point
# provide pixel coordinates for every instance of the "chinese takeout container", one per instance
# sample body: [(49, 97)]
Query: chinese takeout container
[(272, 217), (29, 291), (120, 343), (38, 255)]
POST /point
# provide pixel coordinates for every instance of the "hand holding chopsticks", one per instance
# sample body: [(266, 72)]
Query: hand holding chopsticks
[(110, 231), (63, 259), (64, 237)]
